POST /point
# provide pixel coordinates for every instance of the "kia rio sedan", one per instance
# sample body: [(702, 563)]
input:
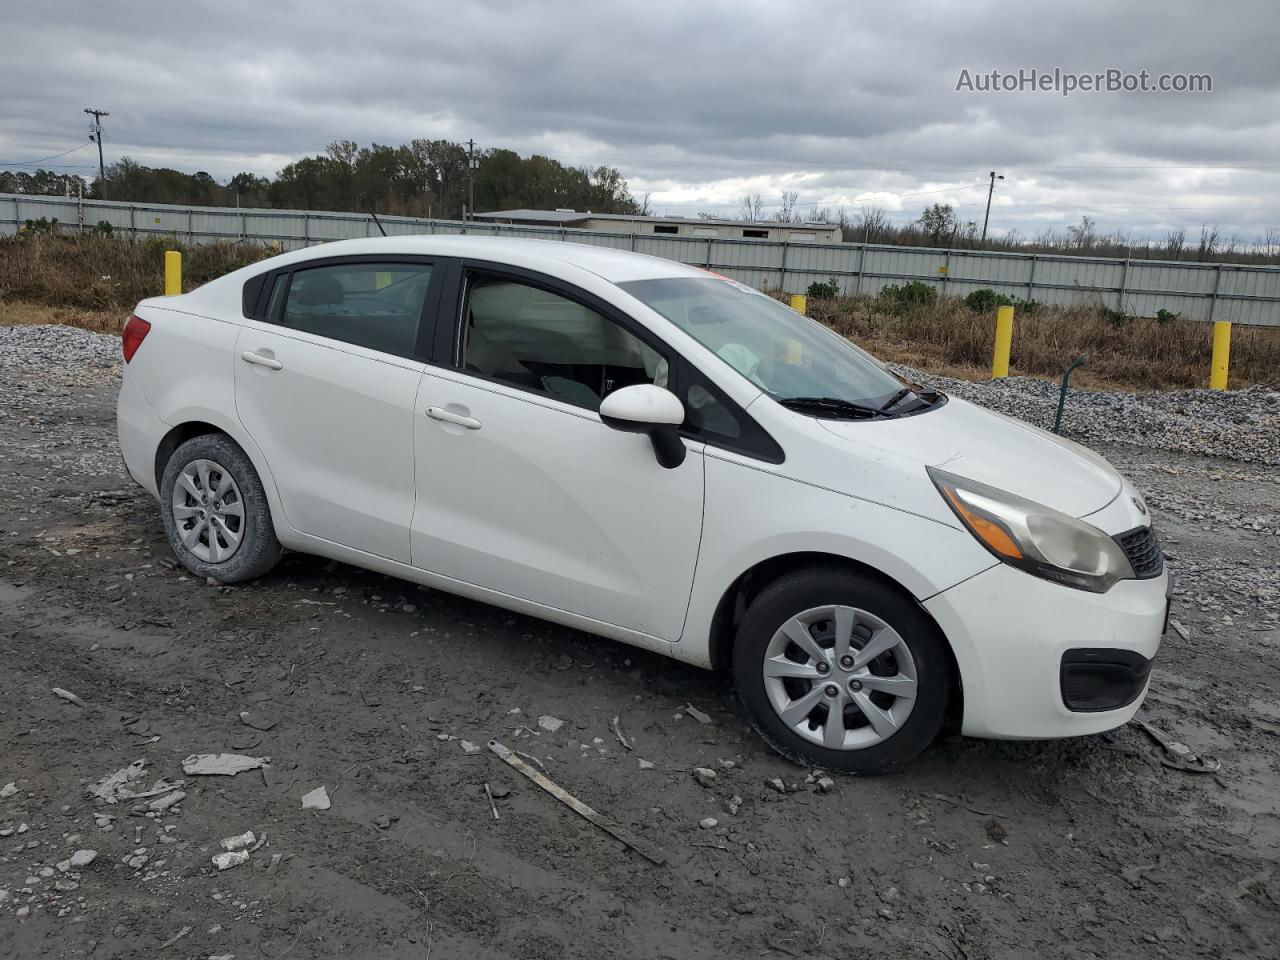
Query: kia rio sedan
[(659, 455)]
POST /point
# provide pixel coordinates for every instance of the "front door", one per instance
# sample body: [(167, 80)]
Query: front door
[(523, 490), (326, 381)]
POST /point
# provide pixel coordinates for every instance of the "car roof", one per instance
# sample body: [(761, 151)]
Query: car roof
[(616, 266)]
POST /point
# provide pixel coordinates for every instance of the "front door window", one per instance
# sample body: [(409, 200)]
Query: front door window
[(531, 338)]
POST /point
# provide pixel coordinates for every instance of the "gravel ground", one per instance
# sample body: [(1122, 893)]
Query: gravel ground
[(378, 690), (1238, 424), (48, 345)]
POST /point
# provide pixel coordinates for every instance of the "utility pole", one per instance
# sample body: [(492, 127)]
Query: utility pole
[(95, 133), (990, 190), (471, 177)]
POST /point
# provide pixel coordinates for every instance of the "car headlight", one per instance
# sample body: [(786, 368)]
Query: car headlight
[(1035, 538)]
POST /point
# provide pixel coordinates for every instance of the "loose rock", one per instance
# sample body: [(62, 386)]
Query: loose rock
[(317, 799)]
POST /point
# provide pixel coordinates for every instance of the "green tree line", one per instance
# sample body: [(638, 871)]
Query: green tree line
[(419, 178)]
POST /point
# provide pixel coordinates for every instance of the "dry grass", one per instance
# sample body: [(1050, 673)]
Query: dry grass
[(99, 272), (947, 337), (16, 313), (93, 281)]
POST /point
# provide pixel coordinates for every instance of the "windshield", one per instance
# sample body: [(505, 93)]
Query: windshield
[(783, 353)]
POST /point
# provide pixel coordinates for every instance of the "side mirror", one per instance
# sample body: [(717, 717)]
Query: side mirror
[(644, 408)]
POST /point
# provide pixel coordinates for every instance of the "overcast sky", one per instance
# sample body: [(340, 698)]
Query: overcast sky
[(697, 103)]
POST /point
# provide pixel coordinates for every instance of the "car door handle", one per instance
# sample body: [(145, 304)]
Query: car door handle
[(250, 357), (446, 416)]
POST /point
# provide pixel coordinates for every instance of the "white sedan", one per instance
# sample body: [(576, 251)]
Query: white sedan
[(659, 455)]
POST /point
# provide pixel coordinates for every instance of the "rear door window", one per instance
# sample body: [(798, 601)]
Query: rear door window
[(374, 305)]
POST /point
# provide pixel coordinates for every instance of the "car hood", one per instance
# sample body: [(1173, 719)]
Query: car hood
[(991, 448)]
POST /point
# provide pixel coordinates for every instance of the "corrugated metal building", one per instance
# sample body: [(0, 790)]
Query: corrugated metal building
[(775, 230)]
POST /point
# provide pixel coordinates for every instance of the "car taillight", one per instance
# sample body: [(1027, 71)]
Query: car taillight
[(135, 331)]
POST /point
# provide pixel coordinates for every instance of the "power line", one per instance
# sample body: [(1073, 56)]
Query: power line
[(31, 163)]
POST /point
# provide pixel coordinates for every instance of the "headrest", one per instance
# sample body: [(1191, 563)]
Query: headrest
[(323, 288)]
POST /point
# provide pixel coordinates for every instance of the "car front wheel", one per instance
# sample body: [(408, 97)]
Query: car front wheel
[(841, 671), (215, 511)]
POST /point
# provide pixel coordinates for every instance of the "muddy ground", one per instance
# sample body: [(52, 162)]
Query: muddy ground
[(1085, 848)]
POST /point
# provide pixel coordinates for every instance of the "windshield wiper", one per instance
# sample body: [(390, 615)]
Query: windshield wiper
[(896, 399), (832, 406)]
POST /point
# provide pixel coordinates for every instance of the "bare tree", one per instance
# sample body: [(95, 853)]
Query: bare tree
[(1271, 242), (1084, 235), (871, 225), (1209, 240), (752, 207), (787, 212), (1175, 242)]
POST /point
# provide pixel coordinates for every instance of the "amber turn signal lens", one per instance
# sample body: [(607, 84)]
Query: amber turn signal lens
[(992, 534)]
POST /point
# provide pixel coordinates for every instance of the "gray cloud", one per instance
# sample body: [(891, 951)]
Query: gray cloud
[(696, 103)]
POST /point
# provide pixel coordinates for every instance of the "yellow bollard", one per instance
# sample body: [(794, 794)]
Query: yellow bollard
[(1004, 342), (172, 273), (1221, 355), (799, 302)]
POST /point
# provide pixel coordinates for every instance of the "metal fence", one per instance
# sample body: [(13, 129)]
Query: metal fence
[(1197, 291)]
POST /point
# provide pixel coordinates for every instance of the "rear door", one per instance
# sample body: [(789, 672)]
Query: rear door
[(522, 489), (327, 372)]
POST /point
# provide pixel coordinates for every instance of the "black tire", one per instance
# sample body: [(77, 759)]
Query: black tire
[(813, 587), (259, 550)]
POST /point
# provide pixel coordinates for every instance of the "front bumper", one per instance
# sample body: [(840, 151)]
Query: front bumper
[(1010, 633)]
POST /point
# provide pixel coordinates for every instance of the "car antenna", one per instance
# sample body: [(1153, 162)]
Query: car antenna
[(377, 221)]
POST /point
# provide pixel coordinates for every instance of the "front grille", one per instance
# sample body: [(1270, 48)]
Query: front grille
[(1142, 547)]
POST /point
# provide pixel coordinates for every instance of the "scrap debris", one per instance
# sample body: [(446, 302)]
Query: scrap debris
[(221, 764), (232, 858), (239, 842), (68, 696), (700, 716), (317, 799), (175, 938), (488, 792), (651, 854), (616, 724), (1177, 755), (115, 787), (258, 723)]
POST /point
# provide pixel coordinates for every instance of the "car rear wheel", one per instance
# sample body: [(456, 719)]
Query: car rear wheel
[(215, 511), (841, 671)]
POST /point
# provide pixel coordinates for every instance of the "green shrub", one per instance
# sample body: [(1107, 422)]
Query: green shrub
[(1164, 316), (1117, 318), (986, 300), (103, 227), (824, 290), (913, 294), (43, 225)]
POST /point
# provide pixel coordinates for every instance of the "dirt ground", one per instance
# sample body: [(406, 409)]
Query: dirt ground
[(1084, 848)]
